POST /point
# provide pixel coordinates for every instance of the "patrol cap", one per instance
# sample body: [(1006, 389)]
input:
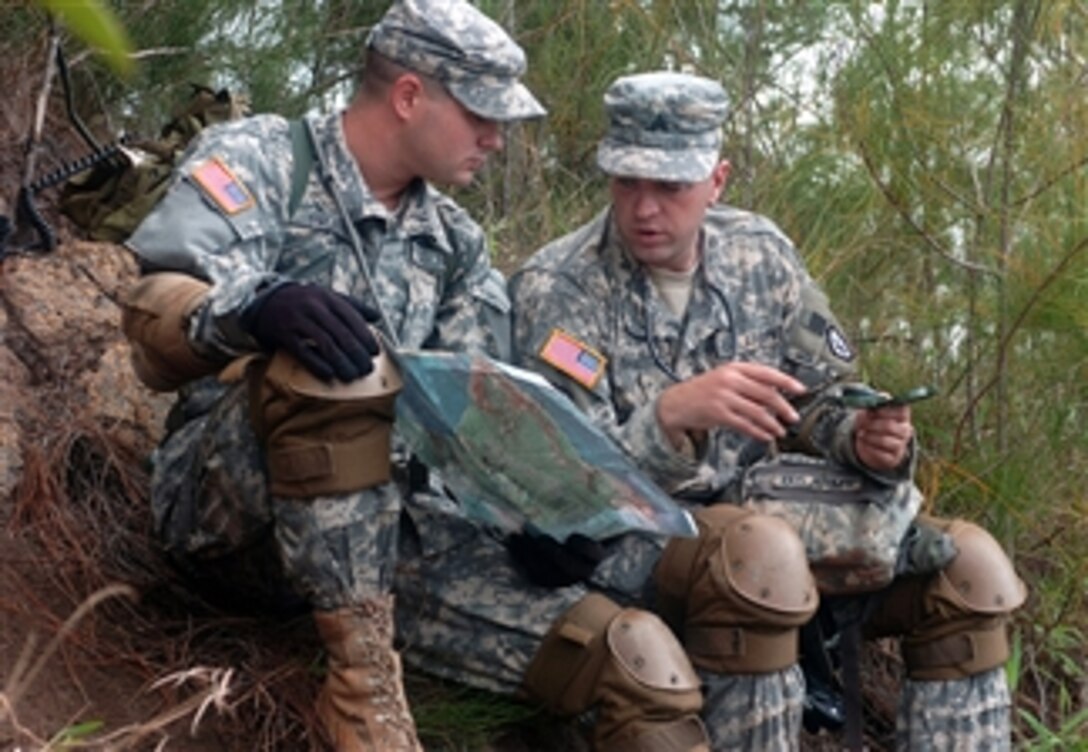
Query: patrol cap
[(662, 126), (471, 55)]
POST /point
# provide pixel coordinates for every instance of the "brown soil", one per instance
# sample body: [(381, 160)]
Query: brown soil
[(75, 431), (52, 685)]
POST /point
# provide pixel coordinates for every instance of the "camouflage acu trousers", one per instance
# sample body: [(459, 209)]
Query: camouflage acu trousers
[(215, 517), (466, 614), (969, 714)]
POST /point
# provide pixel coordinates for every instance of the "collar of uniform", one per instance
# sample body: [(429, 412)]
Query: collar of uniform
[(614, 254), (719, 264), (329, 141), (711, 308), (416, 216), (638, 296), (707, 316)]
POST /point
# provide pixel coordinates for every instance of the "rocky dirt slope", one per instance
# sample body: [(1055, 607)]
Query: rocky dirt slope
[(74, 427)]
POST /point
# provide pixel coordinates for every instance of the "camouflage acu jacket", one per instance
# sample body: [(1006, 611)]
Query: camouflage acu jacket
[(752, 300), (226, 220)]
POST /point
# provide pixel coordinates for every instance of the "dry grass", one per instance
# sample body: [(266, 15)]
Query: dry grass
[(99, 589), (82, 507)]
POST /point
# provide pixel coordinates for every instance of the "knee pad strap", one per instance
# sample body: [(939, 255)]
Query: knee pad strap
[(741, 650), (979, 648)]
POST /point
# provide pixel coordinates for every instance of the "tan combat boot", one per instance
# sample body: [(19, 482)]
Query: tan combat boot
[(362, 704)]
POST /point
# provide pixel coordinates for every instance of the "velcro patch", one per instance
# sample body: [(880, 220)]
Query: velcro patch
[(576, 359), (838, 344), (221, 185)]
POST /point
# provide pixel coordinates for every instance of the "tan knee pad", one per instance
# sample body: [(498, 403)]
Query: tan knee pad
[(739, 591), (955, 622), (627, 663), (323, 438), (154, 318)]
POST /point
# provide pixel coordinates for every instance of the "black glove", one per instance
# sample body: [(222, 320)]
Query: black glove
[(549, 563), (327, 332)]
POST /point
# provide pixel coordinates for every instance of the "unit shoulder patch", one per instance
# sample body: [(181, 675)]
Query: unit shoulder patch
[(838, 344), (222, 186), (569, 355)]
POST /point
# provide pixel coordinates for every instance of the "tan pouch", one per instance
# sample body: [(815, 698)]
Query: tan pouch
[(154, 317), (323, 438)]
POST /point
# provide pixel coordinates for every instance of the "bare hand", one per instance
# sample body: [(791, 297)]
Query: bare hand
[(882, 437), (746, 397)]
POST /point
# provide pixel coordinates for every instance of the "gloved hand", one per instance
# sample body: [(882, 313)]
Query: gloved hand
[(549, 563), (327, 332)]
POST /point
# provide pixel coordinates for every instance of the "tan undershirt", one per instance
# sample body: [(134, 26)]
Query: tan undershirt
[(674, 287)]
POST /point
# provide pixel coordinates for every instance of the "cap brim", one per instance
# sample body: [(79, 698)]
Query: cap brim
[(497, 100), (670, 165)]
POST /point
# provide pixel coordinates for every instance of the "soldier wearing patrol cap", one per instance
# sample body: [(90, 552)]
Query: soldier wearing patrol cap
[(691, 332), (283, 259), (712, 343)]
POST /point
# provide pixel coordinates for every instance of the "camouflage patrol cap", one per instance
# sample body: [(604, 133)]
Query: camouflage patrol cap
[(471, 55), (662, 126)]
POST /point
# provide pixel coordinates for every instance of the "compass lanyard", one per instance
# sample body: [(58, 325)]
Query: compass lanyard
[(664, 361)]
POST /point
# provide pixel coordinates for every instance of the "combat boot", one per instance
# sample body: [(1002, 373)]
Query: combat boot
[(362, 704)]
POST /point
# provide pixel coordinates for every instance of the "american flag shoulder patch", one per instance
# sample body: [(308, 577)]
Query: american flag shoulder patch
[(222, 186), (573, 357)]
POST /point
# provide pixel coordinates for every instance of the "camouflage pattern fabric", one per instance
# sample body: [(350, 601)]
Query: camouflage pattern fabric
[(852, 527), (426, 264), (216, 520), (964, 714), (663, 126), (749, 289), (463, 612), (462, 48), (754, 712)]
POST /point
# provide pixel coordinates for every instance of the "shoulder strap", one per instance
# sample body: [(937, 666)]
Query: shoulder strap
[(303, 151)]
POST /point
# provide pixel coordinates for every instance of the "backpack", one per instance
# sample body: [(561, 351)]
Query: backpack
[(853, 527), (109, 200)]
